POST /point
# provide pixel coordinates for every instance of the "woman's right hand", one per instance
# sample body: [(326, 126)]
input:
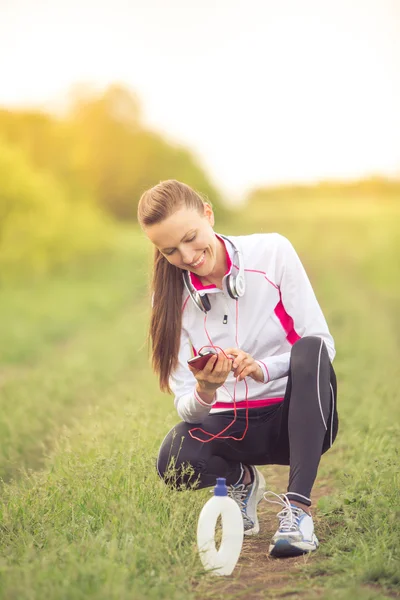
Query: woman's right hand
[(213, 375)]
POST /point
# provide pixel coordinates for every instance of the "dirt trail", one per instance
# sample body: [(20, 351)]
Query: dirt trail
[(258, 575)]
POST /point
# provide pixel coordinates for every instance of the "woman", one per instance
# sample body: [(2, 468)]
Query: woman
[(268, 393)]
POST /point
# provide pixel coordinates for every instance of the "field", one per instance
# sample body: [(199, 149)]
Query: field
[(82, 511)]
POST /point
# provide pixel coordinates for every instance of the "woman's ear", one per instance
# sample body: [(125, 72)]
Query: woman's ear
[(209, 214)]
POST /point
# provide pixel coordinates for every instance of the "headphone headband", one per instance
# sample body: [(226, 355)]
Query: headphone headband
[(235, 283)]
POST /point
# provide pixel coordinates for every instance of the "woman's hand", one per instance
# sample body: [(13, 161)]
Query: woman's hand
[(244, 365), (213, 375)]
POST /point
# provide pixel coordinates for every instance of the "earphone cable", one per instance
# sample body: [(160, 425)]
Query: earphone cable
[(219, 434)]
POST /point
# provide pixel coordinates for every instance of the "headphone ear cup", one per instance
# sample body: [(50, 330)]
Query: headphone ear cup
[(240, 285), (202, 302), (205, 302), (230, 286), (235, 286)]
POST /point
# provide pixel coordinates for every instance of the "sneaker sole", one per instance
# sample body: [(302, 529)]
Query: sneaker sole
[(287, 548), (260, 493)]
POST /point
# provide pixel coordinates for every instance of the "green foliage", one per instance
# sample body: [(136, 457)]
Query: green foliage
[(101, 149), (119, 158), (39, 228), (61, 176), (47, 143)]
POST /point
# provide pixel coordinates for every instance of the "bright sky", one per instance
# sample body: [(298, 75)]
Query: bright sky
[(263, 91)]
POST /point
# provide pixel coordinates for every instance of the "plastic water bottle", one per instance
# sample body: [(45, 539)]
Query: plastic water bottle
[(222, 561)]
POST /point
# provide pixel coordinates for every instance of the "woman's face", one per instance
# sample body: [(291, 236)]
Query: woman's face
[(187, 240)]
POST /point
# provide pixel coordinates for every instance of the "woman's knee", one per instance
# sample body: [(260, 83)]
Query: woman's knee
[(169, 450), (307, 352), (173, 464)]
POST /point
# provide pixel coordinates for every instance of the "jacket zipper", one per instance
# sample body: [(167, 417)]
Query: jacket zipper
[(225, 319)]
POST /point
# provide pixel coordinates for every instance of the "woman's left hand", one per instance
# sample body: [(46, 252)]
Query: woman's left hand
[(244, 365)]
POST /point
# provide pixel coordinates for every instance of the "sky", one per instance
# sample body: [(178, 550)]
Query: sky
[(262, 91)]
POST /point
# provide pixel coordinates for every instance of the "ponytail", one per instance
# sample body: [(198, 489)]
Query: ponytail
[(166, 318)]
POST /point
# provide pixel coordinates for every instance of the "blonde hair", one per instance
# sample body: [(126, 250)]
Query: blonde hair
[(155, 205)]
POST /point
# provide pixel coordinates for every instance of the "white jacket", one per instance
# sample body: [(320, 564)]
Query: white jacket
[(278, 308)]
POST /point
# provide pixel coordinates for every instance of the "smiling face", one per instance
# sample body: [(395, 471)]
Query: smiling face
[(187, 240)]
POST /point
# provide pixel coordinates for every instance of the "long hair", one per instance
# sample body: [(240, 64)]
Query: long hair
[(155, 205)]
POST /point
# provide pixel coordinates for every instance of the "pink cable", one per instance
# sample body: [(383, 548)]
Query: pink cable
[(219, 434)]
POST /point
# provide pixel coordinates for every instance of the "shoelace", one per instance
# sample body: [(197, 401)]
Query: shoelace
[(289, 517), (238, 493)]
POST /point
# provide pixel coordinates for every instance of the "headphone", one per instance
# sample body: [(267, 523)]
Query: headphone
[(235, 283)]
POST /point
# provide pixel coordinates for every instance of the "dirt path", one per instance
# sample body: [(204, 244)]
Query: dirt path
[(258, 575)]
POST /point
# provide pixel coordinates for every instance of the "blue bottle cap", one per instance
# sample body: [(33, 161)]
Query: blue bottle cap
[(221, 489)]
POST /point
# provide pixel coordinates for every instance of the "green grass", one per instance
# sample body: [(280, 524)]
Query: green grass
[(82, 512)]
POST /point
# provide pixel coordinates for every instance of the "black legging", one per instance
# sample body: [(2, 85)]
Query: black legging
[(295, 432)]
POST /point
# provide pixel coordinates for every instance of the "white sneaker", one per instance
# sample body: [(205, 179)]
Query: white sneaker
[(247, 497), (295, 534)]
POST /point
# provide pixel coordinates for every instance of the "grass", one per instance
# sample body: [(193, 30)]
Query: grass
[(82, 512)]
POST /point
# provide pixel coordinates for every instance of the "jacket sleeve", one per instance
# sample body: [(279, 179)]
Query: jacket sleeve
[(188, 403), (300, 303)]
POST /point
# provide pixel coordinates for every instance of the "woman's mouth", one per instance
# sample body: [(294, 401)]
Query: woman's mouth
[(198, 262)]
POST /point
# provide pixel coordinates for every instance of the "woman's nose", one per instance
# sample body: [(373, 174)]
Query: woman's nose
[(187, 256)]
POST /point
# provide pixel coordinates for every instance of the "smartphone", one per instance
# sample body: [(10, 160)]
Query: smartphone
[(200, 361)]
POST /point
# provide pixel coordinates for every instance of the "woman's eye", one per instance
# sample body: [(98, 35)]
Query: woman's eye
[(172, 251)]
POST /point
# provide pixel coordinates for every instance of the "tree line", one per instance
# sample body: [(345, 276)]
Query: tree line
[(67, 179)]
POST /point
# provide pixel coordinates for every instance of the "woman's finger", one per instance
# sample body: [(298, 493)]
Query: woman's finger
[(240, 358), (246, 372), (218, 361), (222, 368), (242, 365), (210, 364), (249, 369), (232, 351)]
